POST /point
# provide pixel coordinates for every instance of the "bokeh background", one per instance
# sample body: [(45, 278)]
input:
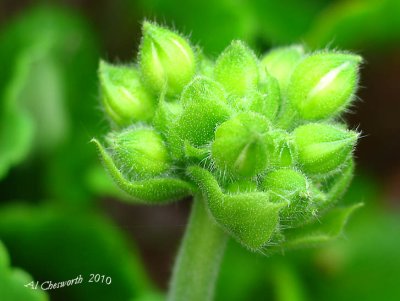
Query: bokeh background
[(61, 216)]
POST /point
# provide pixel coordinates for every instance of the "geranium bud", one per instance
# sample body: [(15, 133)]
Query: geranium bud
[(323, 84), (166, 59), (286, 182), (198, 121), (266, 101), (323, 148), (164, 120), (240, 145), (140, 152), (237, 69), (124, 97), (202, 89), (280, 62)]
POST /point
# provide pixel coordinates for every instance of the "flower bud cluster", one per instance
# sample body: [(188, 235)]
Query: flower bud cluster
[(260, 138)]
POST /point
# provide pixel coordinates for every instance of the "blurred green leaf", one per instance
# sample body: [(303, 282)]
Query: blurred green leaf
[(58, 244), (13, 281), (357, 24)]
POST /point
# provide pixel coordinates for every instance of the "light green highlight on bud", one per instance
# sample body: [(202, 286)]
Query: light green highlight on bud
[(237, 69), (280, 62), (202, 89), (323, 84), (166, 59), (323, 148), (141, 152), (240, 146), (124, 97)]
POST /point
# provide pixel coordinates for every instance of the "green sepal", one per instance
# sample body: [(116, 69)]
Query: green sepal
[(249, 217), (324, 229), (192, 152), (156, 190), (280, 149), (334, 188)]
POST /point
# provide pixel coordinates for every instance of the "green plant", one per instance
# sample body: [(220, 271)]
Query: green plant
[(258, 143)]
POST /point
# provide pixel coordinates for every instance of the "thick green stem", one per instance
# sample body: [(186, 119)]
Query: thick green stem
[(199, 258)]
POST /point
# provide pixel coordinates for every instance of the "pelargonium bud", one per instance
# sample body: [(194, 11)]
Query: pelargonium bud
[(205, 108), (286, 182), (141, 152), (198, 121), (125, 99), (323, 148), (166, 59), (323, 84), (266, 101), (237, 69), (201, 89), (280, 62), (240, 145)]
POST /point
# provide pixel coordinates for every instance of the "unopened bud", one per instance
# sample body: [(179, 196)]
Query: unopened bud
[(280, 62), (140, 152), (286, 182), (237, 69), (323, 148), (323, 84), (240, 145), (166, 59), (125, 99), (202, 89)]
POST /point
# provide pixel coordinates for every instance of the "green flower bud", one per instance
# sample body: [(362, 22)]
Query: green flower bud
[(198, 121), (280, 149), (291, 187), (240, 145), (164, 120), (166, 59), (323, 84), (202, 89), (237, 69), (124, 98), (140, 152), (280, 62), (266, 101), (323, 148), (286, 182)]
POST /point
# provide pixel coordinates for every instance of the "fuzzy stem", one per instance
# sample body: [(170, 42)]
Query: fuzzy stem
[(199, 258)]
